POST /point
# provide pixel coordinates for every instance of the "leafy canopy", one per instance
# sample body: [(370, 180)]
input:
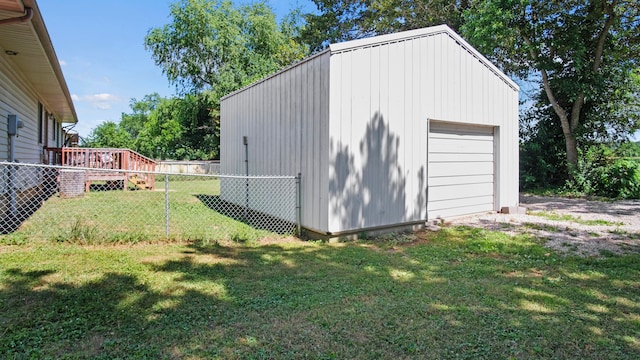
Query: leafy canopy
[(584, 53), (342, 20), (211, 45), (180, 128)]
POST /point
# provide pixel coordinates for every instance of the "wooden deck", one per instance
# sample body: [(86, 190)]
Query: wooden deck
[(136, 167)]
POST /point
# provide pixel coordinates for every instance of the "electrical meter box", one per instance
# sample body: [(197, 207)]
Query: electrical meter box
[(13, 125)]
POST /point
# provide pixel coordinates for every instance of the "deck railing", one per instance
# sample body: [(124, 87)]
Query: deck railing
[(103, 158)]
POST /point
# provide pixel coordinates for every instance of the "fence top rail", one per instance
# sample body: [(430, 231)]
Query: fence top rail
[(98, 150), (156, 173)]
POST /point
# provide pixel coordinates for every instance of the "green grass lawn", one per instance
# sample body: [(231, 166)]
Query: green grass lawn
[(457, 293), (127, 217)]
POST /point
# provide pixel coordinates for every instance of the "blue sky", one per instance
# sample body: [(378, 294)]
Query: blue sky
[(99, 44)]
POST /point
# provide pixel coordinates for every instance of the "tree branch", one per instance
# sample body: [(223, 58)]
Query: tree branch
[(575, 111), (602, 37), (562, 114)]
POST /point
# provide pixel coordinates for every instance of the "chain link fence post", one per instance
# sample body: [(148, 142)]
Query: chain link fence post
[(166, 205), (12, 191), (299, 203)]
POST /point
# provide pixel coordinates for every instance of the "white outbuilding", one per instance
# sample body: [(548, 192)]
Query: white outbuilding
[(387, 131)]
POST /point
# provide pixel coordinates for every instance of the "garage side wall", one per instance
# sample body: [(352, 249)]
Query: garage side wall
[(285, 119), (382, 97)]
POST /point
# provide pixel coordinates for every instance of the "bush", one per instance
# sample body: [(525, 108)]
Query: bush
[(602, 172)]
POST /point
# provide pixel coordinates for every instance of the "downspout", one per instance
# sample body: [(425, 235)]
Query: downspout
[(28, 14)]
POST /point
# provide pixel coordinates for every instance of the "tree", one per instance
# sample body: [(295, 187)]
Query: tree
[(161, 134), (108, 135), (200, 127), (583, 52), (209, 50), (134, 122), (344, 20), (210, 45), (177, 128)]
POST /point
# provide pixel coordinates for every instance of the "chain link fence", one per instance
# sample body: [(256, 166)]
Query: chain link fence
[(41, 202)]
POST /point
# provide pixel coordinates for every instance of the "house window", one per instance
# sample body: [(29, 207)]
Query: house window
[(55, 128), (40, 141)]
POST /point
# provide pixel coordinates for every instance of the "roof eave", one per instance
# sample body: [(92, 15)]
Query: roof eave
[(47, 45)]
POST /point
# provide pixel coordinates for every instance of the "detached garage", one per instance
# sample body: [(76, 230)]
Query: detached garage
[(387, 131)]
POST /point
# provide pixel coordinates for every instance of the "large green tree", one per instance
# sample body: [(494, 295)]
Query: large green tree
[(583, 52), (180, 128), (341, 20), (160, 136), (209, 49), (108, 135), (212, 45), (134, 122)]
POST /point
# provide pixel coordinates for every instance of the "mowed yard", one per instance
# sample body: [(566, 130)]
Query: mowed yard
[(456, 293), (188, 206)]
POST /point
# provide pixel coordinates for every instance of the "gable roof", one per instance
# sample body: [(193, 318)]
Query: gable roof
[(418, 33), (27, 36), (391, 38)]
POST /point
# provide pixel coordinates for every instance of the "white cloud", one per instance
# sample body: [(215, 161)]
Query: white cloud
[(103, 101), (100, 97), (63, 63)]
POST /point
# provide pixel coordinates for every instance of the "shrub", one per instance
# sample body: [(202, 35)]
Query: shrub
[(602, 172)]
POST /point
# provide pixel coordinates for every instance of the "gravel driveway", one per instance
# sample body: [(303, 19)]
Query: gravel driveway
[(572, 226)]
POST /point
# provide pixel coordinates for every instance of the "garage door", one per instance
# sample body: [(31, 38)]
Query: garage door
[(461, 170)]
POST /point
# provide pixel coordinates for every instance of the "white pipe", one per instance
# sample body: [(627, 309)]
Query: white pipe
[(13, 203)]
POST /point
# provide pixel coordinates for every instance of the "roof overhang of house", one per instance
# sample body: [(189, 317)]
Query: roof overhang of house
[(28, 46)]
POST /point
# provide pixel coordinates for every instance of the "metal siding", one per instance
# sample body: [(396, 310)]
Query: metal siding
[(489, 101), (335, 105), (323, 122), (390, 174), (364, 154), (279, 116), (432, 77), (378, 178)]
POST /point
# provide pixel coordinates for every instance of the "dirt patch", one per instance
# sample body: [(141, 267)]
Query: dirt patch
[(571, 226)]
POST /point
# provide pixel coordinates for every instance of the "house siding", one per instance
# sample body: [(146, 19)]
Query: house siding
[(17, 98)]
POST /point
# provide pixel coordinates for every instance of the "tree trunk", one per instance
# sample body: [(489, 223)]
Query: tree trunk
[(572, 152), (568, 125)]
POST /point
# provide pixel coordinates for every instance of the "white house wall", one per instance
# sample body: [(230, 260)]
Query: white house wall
[(17, 98), (381, 99), (285, 119)]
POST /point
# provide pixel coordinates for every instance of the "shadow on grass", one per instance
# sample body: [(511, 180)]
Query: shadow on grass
[(26, 205), (461, 295), (253, 218)]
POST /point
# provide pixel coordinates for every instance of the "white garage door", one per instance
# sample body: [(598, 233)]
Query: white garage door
[(461, 170)]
